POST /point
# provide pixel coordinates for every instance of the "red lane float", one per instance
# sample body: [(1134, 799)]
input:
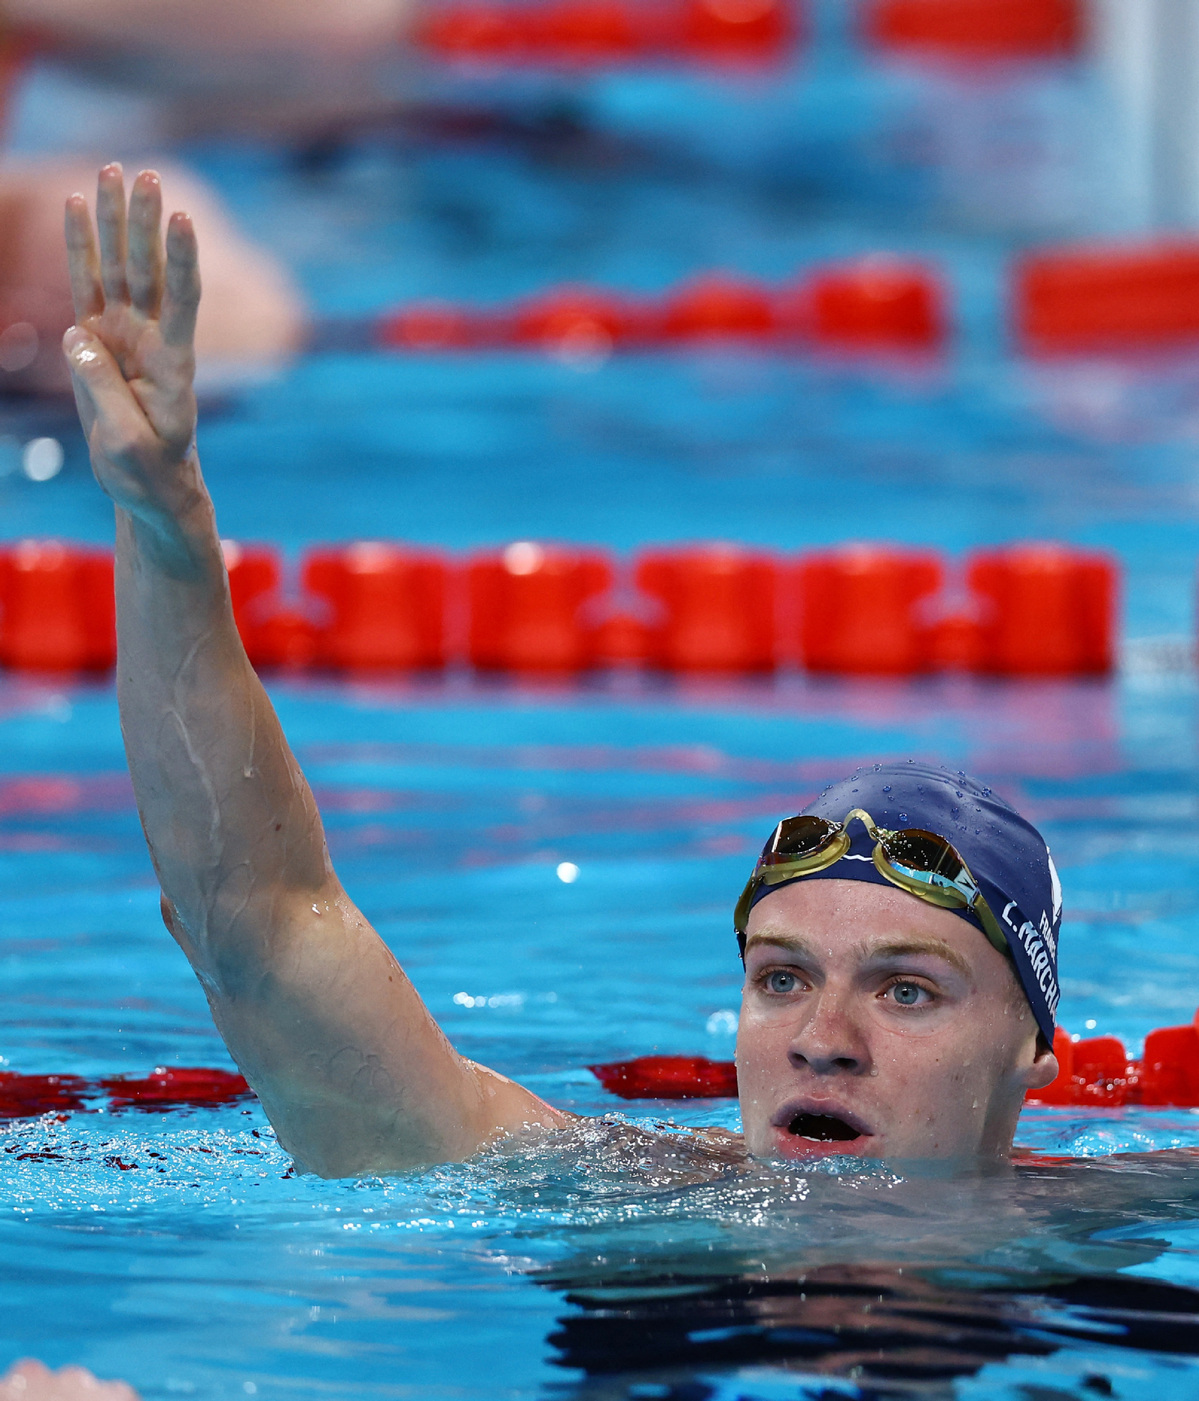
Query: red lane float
[(175, 1087), (255, 573), (168, 1087), (28, 1096), (719, 306), (579, 322), (740, 29), (1071, 300), (1046, 610), (387, 605), (272, 636), (588, 32), (527, 607), (1098, 1072), (719, 607), (622, 639), (860, 609), (57, 611), (877, 303), (668, 1077), (975, 29)]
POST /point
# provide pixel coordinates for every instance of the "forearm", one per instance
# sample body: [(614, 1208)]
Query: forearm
[(351, 1067), (231, 823)]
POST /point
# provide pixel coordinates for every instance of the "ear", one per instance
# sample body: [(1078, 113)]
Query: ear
[(1043, 1069)]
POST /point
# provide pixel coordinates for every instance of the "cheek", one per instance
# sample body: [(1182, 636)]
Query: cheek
[(762, 1044), (945, 1075)]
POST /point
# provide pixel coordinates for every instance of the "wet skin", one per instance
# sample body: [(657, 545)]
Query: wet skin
[(875, 1024)]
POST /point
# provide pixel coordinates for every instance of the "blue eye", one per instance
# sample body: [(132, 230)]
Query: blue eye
[(781, 981), (907, 994)]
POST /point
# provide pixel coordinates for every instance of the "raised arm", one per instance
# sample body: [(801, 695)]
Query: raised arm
[(353, 1071)]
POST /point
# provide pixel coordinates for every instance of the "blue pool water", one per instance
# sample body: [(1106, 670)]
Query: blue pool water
[(178, 1250), (187, 1258)]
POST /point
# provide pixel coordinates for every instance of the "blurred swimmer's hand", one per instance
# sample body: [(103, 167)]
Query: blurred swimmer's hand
[(132, 350), (31, 1381), (251, 321)]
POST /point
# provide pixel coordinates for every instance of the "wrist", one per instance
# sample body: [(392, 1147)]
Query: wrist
[(180, 540)]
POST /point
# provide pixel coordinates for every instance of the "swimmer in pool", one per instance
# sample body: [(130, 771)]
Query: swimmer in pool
[(899, 938)]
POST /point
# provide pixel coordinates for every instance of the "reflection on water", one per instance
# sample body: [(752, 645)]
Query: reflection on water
[(891, 1333)]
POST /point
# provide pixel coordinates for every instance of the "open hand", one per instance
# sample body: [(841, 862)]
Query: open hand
[(31, 1381), (132, 350)]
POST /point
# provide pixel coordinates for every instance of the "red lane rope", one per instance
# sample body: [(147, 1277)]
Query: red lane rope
[(174, 1088), (1096, 1072), (1104, 298), (1034, 609), (586, 33), (881, 302), (168, 1087)]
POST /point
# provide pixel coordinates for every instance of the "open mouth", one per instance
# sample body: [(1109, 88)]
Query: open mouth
[(823, 1128)]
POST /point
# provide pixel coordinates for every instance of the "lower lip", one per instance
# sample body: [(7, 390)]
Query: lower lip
[(790, 1145)]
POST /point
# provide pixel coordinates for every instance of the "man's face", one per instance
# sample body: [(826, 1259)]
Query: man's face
[(876, 1024)]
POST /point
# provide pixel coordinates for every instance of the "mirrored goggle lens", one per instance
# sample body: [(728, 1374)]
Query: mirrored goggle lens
[(800, 837), (925, 853)]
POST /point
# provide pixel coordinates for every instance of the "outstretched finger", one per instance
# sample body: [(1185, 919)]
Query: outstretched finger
[(178, 319), (110, 220), (83, 260), (145, 243)]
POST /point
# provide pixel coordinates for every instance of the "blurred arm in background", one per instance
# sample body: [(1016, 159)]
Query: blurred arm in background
[(31, 1381), (269, 65), (231, 28)]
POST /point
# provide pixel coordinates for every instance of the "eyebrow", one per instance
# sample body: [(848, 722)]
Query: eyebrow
[(779, 940), (934, 948), (907, 948)]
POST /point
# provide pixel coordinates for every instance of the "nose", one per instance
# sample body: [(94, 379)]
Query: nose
[(829, 1040)]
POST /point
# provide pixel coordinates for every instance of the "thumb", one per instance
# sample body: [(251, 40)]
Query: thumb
[(101, 392)]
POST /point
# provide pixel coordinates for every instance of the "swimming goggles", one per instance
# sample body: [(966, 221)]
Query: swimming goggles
[(919, 862)]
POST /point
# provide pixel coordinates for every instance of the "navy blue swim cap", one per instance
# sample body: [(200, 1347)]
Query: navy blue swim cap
[(1006, 854)]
